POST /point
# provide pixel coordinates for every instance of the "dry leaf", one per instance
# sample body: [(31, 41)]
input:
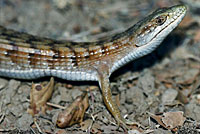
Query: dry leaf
[(135, 129), (96, 129), (39, 95), (85, 125), (173, 119), (74, 113), (158, 118), (170, 120)]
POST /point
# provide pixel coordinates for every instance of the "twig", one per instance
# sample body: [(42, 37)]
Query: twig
[(7, 130), (51, 104), (191, 56), (37, 126), (32, 130), (2, 117), (55, 105)]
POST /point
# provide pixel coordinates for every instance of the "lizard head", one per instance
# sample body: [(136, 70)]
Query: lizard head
[(155, 27), (147, 34)]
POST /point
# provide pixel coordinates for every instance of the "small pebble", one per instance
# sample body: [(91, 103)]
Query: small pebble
[(3, 83), (169, 95), (24, 122)]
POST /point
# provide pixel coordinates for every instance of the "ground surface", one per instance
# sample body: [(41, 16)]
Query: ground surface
[(164, 81)]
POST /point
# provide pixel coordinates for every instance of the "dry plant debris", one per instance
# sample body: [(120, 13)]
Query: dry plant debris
[(74, 113), (170, 120), (39, 95)]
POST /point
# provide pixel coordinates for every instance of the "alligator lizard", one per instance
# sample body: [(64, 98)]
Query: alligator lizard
[(25, 56)]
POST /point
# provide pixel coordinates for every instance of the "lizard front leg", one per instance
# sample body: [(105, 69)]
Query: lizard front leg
[(107, 98)]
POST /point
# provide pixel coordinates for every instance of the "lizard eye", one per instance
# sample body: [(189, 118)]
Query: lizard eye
[(161, 20)]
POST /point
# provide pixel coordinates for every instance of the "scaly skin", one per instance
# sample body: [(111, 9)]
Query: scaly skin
[(26, 56)]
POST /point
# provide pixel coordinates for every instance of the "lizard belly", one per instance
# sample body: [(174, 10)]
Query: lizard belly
[(78, 75)]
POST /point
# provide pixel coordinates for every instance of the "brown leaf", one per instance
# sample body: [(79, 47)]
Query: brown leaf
[(173, 119), (158, 119), (90, 126), (85, 125), (74, 113), (39, 95), (95, 129), (170, 120)]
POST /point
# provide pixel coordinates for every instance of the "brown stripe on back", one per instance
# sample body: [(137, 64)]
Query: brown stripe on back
[(17, 57), (82, 55), (55, 60), (109, 48), (37, 52), (66, 56), (34, 58), (13, 53), (95, 52), (65, 52), (2, 53)]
